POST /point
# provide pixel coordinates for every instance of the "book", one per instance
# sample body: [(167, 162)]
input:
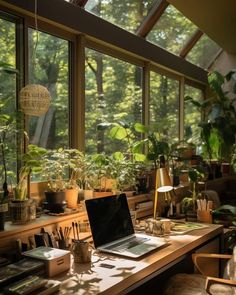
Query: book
[(15, 271), (185, 227), (33, 285)]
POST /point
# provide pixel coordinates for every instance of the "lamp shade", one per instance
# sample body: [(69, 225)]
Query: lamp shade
[(34, 100), (163, 180)]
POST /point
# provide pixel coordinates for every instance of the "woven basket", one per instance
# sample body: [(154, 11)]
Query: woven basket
[(34, 100)]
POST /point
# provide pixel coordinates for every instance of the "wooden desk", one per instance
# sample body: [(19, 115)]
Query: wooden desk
[(129, 274)]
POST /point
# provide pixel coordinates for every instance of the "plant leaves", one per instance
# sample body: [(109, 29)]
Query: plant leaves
[(118, 132), (141, 128)]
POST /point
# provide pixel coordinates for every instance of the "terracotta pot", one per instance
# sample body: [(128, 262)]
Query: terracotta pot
[(72, 198)]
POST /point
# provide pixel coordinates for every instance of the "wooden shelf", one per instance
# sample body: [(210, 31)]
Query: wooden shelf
[(13, 232)]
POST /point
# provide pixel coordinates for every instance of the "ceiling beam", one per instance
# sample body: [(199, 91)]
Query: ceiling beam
[(74, 19), (190, 43), (150, 20), (80, 3)]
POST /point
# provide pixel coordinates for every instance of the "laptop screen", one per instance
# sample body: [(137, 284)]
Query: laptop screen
[(109, 219)]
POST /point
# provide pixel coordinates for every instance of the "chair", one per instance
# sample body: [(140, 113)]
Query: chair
[(201, 284)]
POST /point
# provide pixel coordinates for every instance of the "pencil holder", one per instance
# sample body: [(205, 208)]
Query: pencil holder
[(81, 251), (204, 216)]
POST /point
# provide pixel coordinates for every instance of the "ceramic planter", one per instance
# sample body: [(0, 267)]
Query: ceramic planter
[(55, 201)]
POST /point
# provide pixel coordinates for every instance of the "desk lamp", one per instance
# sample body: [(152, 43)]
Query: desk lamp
[(162, 185)]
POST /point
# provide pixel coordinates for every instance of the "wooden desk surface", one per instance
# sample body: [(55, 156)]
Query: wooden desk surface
[(91, 278)]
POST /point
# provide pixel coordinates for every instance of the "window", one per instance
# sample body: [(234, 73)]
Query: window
[(192, 114), (172, 30), (49, 66), (8, 100), (164, 106), (113, 93), (203, 53), (125, 14)]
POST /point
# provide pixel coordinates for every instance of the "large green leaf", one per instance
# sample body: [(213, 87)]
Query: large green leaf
[(139, 157), (141, 128), (118, 156), (118, 132)]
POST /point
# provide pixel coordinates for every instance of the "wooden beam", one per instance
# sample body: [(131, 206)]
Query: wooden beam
[(154, 14), (190, 43), (63, 14), (80, 3)]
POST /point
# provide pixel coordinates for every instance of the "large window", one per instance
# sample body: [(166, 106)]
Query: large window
[(203, 53), (127, 14), (7, 100), (172, 30), (113, 94), (49, 66), (164, 106), (192, 114)]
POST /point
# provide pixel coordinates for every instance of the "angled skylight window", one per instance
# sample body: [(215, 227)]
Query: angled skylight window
[(172, 30), (204, 52), (127, 14)]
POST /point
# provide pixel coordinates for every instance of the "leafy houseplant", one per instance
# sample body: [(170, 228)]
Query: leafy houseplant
[(218, 127), (56, 165), (22, 208), (188, 204)]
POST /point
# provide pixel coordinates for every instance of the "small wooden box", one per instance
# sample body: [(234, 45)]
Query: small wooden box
[(56, 260)]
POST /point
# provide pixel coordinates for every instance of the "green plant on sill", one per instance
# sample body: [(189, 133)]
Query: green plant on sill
[(124, 171), (124, 132), (32, 164), (65, 169), (218, 128), (157, 151)]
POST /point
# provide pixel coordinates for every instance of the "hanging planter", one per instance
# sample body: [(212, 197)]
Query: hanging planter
[(34, 100)]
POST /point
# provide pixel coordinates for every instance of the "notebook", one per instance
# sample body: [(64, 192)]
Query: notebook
[(112, 228)]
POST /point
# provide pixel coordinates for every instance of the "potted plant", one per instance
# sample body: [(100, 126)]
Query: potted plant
[(22, 208), (188, 203), (218, 127), (61, 170), (124, 172)]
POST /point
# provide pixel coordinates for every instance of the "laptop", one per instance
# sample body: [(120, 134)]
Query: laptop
[(112, 228)]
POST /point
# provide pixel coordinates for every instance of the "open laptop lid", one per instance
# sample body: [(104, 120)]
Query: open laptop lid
[(109, 219)]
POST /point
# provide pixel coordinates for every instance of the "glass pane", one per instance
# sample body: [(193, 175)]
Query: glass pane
[(203, 52), (192, 115), (113, 94), (48, 66), (164, 106), (172, 30), (8, 102), (127, 14)]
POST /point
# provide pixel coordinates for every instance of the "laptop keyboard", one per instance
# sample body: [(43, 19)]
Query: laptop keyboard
[(127, 244)]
